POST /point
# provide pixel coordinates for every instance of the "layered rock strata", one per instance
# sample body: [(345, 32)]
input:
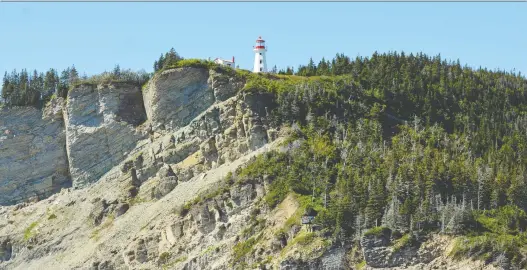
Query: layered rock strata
[(101, 123), (33, 160)]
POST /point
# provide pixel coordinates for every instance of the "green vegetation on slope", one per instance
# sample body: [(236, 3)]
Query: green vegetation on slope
[(410, 143), (28, 232)]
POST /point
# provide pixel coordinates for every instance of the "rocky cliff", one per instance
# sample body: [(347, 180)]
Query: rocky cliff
[(33, 157), (101, 123), (153, 189)]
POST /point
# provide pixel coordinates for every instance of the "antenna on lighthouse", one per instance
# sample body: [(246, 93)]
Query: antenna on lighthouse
[(260, 63)]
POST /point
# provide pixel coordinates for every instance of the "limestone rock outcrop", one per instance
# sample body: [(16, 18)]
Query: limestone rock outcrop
[(33, 160), (198, 111), (101, 123), (176, 96), (378, 252)]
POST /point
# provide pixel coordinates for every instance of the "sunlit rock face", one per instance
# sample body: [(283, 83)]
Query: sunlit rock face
[(101, 123), (33, 160)]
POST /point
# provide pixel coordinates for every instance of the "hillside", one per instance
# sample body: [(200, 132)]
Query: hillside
[(405, 162)]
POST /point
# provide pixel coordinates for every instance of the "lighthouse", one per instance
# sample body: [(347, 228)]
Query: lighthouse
[(260, 64)]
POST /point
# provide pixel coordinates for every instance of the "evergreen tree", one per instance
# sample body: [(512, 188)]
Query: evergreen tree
[(274, 70), (50, 83), (117, 71), (73, 76), (64, 83)]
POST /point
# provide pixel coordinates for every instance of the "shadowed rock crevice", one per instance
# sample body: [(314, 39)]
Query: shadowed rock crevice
[(131, 108), (6, 250)]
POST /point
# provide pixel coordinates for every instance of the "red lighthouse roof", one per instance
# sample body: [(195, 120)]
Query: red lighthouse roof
[(260, 43)]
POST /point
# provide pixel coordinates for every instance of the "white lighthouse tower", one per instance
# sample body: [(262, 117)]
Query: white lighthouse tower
[(260, 64)]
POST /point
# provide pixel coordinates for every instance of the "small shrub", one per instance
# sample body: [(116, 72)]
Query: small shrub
[(405, 241), (243, 248), (360, 265), (137, 200), (164, 257), (28, 233), (229, 204), (277, 193), (209, 249), (185, 209), (52, 216), (304, 238), (229, 179), (377, 231)]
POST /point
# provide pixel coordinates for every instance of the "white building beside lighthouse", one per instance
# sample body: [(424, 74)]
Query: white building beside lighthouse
[(260, 64), (225, 62)]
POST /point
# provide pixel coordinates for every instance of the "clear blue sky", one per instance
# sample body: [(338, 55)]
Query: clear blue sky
[(96, 36)]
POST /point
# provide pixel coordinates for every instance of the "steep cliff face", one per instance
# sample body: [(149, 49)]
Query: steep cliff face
[(101, 129), (177, 96), (232, 126), (99, 225), (33, 157)]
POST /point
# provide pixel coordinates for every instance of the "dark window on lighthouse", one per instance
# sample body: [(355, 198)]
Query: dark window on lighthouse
[(260, 53), (260, 69), (260, 61)]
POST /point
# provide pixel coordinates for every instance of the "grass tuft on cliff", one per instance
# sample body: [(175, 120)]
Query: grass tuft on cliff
[(29, 231)]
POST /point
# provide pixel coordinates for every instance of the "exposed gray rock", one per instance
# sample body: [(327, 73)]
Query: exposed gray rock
[(206, 222), (244, 195), (33, 160), (166, 184), (100, 209), (143, 250), (177, 96), (378, 253), (334, 259), (165, 171), (224, 86), (100, 128), (54, 110)]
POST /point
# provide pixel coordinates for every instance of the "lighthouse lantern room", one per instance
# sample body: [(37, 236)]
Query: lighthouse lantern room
[(260, 64)]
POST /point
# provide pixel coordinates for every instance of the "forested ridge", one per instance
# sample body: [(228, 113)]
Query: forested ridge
[(409, 143)]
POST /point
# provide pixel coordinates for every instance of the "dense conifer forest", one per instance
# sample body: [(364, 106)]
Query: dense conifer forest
[(410, 143)]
